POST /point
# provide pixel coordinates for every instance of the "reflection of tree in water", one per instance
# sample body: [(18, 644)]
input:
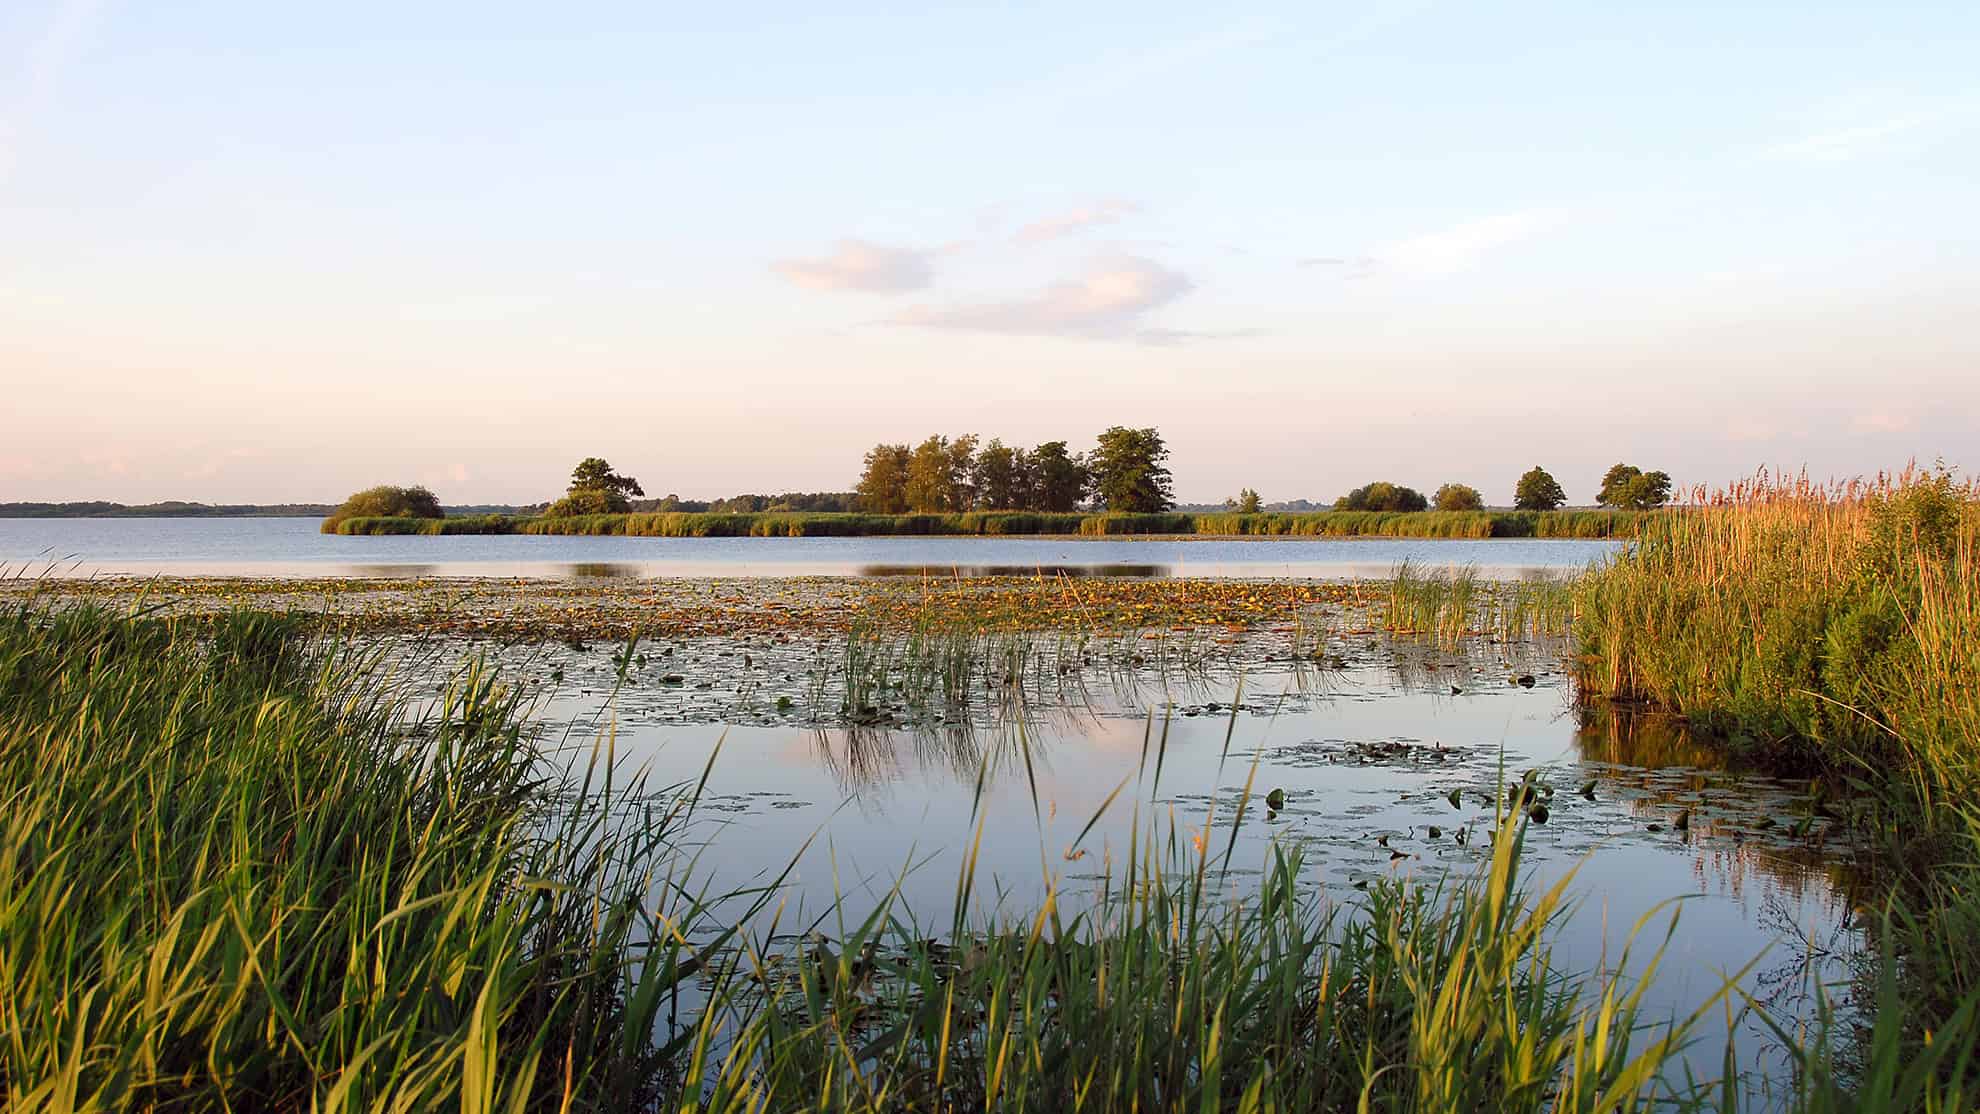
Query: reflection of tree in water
[(866, 759)]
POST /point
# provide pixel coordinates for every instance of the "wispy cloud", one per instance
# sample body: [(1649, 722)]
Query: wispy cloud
[(860, 265), (1108, 302), (1460, 247), (1078, 220)]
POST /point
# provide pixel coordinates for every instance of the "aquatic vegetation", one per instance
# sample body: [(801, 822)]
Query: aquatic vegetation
[(1837, 628), (241, 872), (802, 524)]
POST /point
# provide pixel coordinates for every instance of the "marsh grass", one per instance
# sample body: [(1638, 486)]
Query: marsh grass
[(1834, 628), (782, 524), (1455, 604), (247, 870), (241, 872)]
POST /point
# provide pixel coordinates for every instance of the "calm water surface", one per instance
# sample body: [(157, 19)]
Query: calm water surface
[(1368, 750), (293, 547)]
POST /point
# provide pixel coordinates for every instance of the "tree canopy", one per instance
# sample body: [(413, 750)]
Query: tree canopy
[(1458, 497), (1128, 471), (1629, 487), (1382, 496), (386, 501), (596, 489), (1538, 491)]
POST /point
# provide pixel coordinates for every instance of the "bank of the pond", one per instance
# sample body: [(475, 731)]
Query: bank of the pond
[(771, 524), (1836, 630)]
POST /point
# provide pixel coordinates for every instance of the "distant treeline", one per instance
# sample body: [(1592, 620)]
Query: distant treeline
[(172, 509), (685, 524)]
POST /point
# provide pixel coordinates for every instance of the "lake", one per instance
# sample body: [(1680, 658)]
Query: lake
[(1392, 755), (292, 547)]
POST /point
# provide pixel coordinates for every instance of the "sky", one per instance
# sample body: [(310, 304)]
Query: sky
[(278, 252)]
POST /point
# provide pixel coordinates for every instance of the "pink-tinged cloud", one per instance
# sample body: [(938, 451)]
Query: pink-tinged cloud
[(863, 266), (1108, 302), (1067, 224)]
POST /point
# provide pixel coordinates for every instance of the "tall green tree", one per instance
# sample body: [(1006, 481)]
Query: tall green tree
[(1537, 490), (1248, 502), (1059, 479), (1629, 487), (597, 489), (999, 477), (882, 485), (939, 475), (1128, 470)]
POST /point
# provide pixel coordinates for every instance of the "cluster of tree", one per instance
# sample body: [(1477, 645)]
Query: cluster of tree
[(1382, 496), (170, 508), (834, 502), (386, 501), (1631, 488), (1126, 471), (596, 489)]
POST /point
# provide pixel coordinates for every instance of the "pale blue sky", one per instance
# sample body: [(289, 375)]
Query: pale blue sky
[(257, 251)]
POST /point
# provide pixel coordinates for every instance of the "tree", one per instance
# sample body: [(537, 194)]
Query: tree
[(594, 474), (1128, 473), (998, 477), (1248, 502), (1458, 497), (1059, 480), (1538, 491), (1382, 496), (883, 485), (938, 475), (1627, 486), (386, 501)]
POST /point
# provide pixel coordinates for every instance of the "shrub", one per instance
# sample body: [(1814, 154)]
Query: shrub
[(385, 501), (1459, 497), (1382, 496)]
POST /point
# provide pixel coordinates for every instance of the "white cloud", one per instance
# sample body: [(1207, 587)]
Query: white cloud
[(864, 266), (1460, 247), (1108, 302), (1078, 220)]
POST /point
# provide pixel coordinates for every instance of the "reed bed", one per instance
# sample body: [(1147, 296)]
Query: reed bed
[(778, 524), (1836, 628), (239, 873), (1455, 604)]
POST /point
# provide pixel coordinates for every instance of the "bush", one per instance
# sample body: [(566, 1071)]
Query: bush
[(385, 501), (1459, 497), (1382, 496), (588, 500)]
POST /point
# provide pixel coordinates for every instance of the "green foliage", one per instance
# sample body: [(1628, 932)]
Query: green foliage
[(1382, 496), (1537, 490), (1838, 630), (1247, 502), (1458, 497), (1061, 480), (1129, 473), (242, 873), (883, 484), (1343, 524), (587, 501), (385, 501), (1627, 486)]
